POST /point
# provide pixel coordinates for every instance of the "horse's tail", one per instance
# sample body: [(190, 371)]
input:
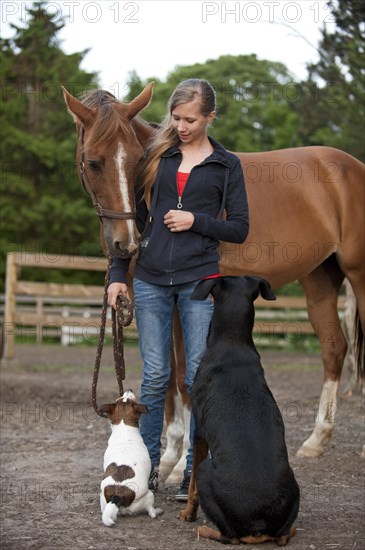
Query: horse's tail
[(359, 343)]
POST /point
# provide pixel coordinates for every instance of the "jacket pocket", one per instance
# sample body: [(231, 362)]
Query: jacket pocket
[(189, 250), (144, 238)]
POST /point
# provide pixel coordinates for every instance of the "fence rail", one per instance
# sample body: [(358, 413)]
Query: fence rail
[(69, 311)]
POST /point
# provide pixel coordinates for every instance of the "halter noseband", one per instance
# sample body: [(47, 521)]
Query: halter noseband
[(100, 211)]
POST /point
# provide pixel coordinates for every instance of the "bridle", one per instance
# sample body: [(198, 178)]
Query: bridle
[(100, 211), (118, 319)]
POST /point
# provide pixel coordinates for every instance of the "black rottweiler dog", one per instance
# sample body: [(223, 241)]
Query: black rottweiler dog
[(241, 473)]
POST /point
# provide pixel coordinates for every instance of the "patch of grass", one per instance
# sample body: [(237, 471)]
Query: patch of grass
[(91, 340), (47, 367), (288, 343), (273, 342)]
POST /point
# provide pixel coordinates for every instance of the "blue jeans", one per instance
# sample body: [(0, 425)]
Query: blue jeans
[(154, 305)]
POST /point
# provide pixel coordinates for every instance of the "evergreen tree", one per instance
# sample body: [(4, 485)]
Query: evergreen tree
[(43, 206), (332, 106)]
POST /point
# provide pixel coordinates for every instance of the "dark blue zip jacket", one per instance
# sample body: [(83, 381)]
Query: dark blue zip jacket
[(168, 258)]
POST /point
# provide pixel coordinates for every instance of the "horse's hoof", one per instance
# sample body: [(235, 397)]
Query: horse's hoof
[(309, 452), (165, 470), (175, 478)]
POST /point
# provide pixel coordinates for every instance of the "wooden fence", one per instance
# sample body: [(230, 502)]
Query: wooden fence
[(70, 311), (43, 308)]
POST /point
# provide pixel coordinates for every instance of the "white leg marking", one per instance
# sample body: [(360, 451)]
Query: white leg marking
[(325, 421), (177, 473), (175, 433)]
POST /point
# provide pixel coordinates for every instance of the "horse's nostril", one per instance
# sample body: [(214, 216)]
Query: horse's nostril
[(125, 250)]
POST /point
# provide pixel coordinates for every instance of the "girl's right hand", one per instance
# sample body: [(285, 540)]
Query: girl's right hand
[(114, 290)]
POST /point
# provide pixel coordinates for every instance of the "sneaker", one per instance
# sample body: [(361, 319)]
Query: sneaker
[(153, 479), (182, 493)]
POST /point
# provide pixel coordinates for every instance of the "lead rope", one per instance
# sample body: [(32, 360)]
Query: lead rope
[(119, 320)]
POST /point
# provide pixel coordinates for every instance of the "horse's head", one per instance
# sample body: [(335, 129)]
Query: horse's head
[(108, 152)]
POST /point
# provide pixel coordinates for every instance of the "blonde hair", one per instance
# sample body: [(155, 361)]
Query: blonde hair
[(167, 136)]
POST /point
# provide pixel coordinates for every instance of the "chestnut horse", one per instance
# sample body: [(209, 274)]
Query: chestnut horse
[(306, 223)]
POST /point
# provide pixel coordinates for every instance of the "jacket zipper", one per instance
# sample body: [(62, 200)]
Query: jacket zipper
[(179, 197), (170, 259)]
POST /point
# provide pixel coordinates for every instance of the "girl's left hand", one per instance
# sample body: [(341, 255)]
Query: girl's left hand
[(178, 220)]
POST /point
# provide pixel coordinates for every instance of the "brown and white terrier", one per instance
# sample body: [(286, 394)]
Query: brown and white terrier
[(127, 464)]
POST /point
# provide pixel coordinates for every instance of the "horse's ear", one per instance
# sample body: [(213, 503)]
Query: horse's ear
[(141, 101), (78, 111)]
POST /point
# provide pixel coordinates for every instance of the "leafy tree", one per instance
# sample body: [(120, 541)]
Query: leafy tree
[(42, 203), (254, 99), (332, 106)]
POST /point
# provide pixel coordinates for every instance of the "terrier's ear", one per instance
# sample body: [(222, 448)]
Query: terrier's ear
[(107, 410), (141, 409)]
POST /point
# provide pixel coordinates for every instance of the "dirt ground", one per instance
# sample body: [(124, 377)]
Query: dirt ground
[(52, 446)]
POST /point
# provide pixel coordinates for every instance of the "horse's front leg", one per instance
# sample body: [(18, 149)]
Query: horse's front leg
[(176, 475), (174, 425), (200, 452), (177, 412), (321, 436), (321, 288)]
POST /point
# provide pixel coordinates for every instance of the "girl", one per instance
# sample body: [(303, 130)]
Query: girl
[(186, 183)]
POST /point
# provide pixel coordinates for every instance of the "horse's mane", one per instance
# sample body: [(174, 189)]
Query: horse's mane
[(108, 119)]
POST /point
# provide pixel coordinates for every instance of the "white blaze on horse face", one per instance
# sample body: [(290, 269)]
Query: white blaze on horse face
[(119, 158)]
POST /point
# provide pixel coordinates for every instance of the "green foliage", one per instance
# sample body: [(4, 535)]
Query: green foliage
[(333, 98), (254, 106), (43, 207), (261, 107)]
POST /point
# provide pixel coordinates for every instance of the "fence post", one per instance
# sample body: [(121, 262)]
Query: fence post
[(9, 324)]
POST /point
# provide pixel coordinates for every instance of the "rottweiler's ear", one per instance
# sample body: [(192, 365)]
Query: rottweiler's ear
[(265, 289), (203, 288)]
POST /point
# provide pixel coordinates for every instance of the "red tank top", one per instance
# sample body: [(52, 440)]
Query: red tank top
[(182, 178)]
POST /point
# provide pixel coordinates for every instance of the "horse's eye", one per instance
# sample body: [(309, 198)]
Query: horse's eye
[(94, 165)]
